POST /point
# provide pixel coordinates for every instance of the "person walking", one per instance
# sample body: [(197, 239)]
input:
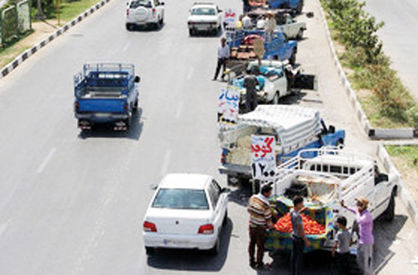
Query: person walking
[(260, 220), (223, 56), (366, 240), (250, 84), (299, 239)]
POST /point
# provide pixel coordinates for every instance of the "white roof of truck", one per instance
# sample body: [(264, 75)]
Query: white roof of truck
[(292, 123)]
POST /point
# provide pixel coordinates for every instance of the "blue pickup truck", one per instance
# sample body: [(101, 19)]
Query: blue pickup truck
[(296, 5), (106, 93), (277, 48)]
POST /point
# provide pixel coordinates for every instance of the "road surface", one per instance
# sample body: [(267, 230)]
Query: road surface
[(400, 41), (73, 204)]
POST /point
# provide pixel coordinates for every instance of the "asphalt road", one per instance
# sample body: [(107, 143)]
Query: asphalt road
[(73, 204), (400, 41)]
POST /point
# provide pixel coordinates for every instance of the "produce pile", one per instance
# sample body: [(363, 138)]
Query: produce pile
[(312, 227)]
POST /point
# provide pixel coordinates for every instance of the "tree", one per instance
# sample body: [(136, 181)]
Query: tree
[(40, 14)]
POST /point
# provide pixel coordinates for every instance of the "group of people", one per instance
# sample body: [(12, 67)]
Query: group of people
[(261, 220)]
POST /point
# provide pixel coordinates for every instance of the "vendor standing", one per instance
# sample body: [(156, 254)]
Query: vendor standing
[(299, 239), (260, 220), (250, 84), (223, 56), (366, 240)]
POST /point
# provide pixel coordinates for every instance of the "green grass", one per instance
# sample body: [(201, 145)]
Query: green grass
[(72, 9), (12, 49), (408, 154)]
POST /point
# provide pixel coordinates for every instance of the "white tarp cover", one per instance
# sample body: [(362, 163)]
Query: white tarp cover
[(293, 124)]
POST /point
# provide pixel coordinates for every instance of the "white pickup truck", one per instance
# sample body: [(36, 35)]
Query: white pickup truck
[(276, 79), (327, 176)]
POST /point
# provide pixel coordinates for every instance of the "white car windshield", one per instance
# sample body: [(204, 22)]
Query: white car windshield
[(203, 11), (181, 199), (140, 3)]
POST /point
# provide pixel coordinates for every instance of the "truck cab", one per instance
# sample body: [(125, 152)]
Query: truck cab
[(106, 93)]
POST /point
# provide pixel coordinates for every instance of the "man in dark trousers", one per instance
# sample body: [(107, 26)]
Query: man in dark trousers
[(246, 6), (223, 56), (250, 84), (299, 237), (260, 220)]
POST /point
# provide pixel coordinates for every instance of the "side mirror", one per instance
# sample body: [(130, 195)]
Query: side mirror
[(127, 3), (219, 10), (225, 190), (331, 129), (137, 79), (154, 186), (162, 3)]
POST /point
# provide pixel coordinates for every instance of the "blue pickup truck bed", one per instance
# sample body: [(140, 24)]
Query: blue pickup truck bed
[(105, 93)]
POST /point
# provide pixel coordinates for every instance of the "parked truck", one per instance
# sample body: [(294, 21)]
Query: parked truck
[(276, 79), (279, 47), (295, 128), (106, 93), (284, 20), (296, 5), (325, 177)]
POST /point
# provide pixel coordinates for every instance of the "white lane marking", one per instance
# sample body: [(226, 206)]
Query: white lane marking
[(125, 47), (45, 162), (166, 161), (190, 73), (179, 109)]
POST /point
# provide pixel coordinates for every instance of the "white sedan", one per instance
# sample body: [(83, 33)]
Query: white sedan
[(204, 17), (186, 211)]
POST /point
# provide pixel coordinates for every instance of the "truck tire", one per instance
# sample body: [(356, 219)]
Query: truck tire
[(292, 59), (129, 27), (299, 8), (276, 98), (299, 36), (135, 108), (191, 32), (389, 213), (149, 250)]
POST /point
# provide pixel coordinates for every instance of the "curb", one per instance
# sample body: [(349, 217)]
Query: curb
[(403, 192), (373, 133), (29, 52)]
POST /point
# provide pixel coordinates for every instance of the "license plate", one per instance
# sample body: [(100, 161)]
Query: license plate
[(171, 242), (202, 27)]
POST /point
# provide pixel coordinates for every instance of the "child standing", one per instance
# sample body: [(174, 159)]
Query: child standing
[(341, 249)]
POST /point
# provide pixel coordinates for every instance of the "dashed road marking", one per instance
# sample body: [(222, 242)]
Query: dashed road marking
[(45, 162)]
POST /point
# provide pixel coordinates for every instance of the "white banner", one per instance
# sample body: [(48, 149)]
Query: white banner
[(263, 157), (228, 106)]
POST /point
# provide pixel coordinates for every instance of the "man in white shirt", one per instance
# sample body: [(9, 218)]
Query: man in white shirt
[(246, 22), (223, 56)]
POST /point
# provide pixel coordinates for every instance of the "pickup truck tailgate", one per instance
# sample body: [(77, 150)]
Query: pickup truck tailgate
[(101, 105)]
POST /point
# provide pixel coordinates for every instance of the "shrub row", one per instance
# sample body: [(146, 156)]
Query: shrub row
[(356, 30)]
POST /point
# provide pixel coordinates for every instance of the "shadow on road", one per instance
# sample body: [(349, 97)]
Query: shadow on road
[(193, 260), (106, 131), (385, 234), (293, 98), (240, 196)]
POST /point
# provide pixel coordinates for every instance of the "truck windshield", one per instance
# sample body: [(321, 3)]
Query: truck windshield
[(203, 11), (140, 3), (181, 199)]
